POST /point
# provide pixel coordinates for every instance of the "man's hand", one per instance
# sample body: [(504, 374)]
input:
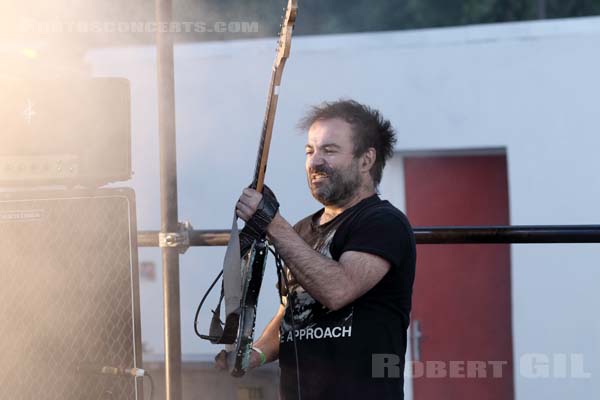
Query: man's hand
[(258, 211), (221, 361), (222, 364), (252, 201), (248, 204)]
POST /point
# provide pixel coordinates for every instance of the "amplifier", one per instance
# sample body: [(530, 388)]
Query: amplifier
[(65, 132), (69, 303)]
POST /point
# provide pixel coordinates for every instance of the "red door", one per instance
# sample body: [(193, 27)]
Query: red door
[(461, 321)]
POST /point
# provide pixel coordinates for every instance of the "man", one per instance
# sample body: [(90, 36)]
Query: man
[(350, 266)]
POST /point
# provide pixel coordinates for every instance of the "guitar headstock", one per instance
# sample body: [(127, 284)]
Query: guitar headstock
[(285, 35)]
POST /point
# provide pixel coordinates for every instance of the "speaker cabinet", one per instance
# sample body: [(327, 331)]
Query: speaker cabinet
[(69, 302)]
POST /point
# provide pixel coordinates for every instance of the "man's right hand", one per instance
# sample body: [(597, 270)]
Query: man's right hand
[(222, 364), (221, 361)]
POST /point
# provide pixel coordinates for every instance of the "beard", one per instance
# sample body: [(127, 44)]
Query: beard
[(339, 186)]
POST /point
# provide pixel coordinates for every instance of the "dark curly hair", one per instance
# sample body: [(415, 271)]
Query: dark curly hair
[(369, 129)]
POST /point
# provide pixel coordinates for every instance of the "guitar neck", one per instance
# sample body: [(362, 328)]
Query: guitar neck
[(267, 130), (285, 38)]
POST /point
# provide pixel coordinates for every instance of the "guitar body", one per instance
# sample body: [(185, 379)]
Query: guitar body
[(253, 272)]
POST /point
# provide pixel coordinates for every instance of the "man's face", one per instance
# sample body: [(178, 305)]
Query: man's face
[(331, 168)]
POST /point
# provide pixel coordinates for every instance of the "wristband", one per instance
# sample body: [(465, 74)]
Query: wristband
[(261, 354)]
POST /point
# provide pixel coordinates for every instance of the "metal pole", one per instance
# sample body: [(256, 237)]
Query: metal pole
[(168, 201), (541, 9), (437, 235)]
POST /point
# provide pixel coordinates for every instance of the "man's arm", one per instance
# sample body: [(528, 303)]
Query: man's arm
[(268, 341), (333, 283)]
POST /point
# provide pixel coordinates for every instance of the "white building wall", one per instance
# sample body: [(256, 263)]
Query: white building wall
[(531, 88)]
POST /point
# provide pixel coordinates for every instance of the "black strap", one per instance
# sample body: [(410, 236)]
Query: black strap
[(219, 332), (281, 274)]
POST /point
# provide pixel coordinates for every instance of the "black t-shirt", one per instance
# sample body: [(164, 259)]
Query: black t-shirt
[(336, 348)]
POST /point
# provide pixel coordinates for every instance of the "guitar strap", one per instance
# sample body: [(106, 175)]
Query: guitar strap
[(231, 291)]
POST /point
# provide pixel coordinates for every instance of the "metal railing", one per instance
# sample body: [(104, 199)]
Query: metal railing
[(435, 235)]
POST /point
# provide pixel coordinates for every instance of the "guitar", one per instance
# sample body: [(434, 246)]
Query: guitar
[(255, 261)]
